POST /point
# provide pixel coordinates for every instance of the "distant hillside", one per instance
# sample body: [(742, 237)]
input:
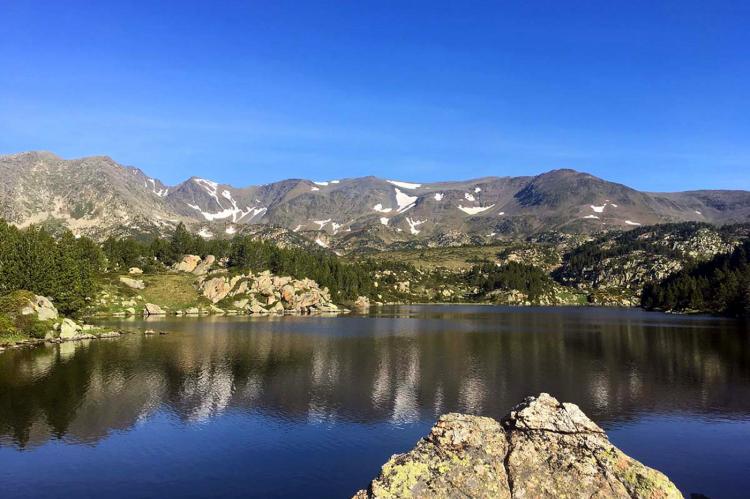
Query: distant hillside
[(720, 285), (98, 197)]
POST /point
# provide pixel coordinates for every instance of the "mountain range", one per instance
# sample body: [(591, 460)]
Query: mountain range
[(98, 197)]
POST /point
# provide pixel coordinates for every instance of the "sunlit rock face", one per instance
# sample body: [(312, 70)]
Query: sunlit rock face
[(98, 197), (542, 448)]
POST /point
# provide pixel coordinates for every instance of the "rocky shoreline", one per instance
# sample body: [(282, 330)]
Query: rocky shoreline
[(39, 314), (218, 292), (542, 448)]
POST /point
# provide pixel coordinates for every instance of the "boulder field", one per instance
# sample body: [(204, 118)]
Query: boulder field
[(542, 448), (35, 319), (249, 293)]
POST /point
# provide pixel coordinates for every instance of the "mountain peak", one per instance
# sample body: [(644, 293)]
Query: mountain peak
[(95, 197)]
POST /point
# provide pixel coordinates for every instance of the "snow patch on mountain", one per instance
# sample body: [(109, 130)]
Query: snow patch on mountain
[(205, 233), (404, 201), (379, 208), (209, 185), (321, 243), (591, 216), (234, 212), (631, 223), (469, 197), (599, 209), (321, 223), (439, 196), (473, 210), (384, 220), (159, 192), (231, 230), (413, 224), (313, 188), (321, 183), (477, 189), (404, 185)]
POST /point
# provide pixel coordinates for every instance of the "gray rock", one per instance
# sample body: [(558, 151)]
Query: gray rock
[(69, 329), (135, 271), (132, 283), (151, 309), (41, 307), (216, 310), (241, 303), (543, 448)]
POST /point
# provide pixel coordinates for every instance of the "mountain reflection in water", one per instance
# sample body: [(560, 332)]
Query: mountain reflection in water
[(398, 366)]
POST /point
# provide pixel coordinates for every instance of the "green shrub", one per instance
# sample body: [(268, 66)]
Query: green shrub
[(12, 303), (7, 326)]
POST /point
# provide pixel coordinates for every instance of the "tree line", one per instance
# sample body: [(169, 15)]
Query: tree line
[(67, 268), (64, 268), (530, 280), (720, 285)]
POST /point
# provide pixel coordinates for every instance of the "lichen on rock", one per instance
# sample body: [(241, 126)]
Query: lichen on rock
[(542, 448)]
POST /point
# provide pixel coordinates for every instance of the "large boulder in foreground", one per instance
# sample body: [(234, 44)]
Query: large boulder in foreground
[(543, 448)]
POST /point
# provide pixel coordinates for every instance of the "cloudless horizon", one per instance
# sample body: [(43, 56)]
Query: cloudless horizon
[(655, 95)]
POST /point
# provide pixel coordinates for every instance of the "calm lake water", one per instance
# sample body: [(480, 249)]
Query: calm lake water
[(312, 406)]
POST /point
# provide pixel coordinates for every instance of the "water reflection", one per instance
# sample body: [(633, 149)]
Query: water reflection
[(407, 364)]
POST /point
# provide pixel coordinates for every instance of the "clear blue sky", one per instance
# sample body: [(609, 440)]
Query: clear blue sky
[(652, 94)]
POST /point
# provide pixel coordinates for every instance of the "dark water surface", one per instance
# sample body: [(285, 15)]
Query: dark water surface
[(312, 406)]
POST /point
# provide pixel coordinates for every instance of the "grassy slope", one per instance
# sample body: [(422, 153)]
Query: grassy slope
[(170, 290), (460, 258)]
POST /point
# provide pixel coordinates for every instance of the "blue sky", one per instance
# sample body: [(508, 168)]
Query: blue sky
[(655, 95)]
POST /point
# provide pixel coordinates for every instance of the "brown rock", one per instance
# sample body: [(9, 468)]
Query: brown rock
[(204, 266), (362, 303), (216, 289), (187, 264)]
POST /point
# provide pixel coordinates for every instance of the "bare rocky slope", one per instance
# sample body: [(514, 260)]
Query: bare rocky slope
[(98, 197), (542, 448)]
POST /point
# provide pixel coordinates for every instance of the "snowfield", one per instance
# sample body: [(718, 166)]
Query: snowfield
[(473, 210), (404, 185), (379, 208), (413, 224), (404, 201)]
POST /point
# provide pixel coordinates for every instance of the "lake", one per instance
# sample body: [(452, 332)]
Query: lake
[(313, 406)]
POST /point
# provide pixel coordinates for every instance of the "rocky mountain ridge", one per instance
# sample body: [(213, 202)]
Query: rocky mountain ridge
[(98, 197)]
